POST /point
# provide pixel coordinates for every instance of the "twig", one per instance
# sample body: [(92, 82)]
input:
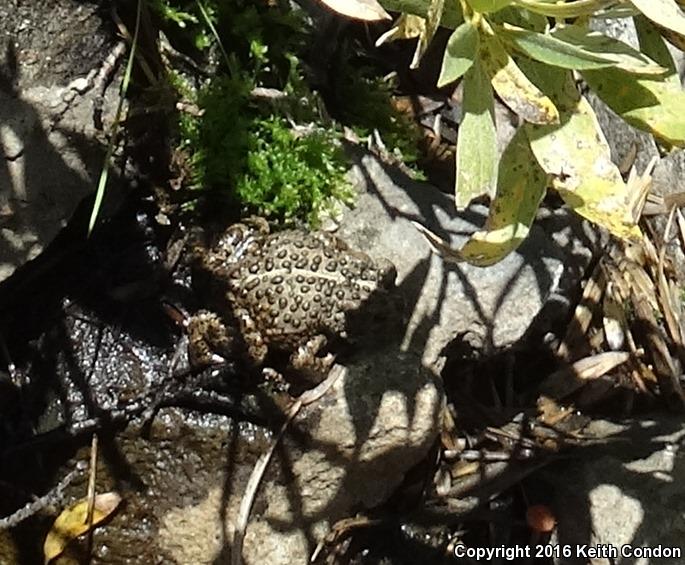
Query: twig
[(51, 497), (91, 490)]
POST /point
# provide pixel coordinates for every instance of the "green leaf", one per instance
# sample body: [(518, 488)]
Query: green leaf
[(666, 13), (519, 18), (520, 188), (486, 6), (622, 56), (652, 45), (551, 50), (512, 85), (459, 54), (476, 142)]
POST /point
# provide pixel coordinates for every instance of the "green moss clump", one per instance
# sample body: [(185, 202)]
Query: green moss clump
[(247, 147), (271, 169), (217, 140), (288, 176)]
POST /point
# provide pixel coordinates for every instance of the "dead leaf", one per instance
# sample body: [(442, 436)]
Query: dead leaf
[(407, 26), (72, 523)]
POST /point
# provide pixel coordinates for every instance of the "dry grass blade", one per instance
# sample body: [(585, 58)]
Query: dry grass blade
[(613, 319), (440, 245), (681, 227), (638, 188), (639, 283), (104, 174), (657, 205), (668, 307), (565, 381), (342, 528), (309, 396), (582, 317), (664, 367)]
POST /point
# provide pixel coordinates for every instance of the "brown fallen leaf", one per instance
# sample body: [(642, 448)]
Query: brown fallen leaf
[(72, 523), (551, 412)]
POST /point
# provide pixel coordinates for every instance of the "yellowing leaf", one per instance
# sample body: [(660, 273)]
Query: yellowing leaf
[(426, 35), (663, 12), (72, 522), (366, 10), (577, 156), (459, 54), (512, 86), (476, 141), (407, 26), (656, 106), (520, 188)]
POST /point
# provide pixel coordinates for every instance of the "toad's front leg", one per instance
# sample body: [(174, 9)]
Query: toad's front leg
[(254, 346), (210, 341)]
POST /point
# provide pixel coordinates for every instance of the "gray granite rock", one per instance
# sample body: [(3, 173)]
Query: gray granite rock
[(496, 303), (630, 491), (51, 152)]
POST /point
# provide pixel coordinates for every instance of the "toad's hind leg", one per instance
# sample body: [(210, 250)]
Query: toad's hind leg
[(305, 359)]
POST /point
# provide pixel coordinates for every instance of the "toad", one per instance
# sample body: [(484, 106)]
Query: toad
[(290, 292)]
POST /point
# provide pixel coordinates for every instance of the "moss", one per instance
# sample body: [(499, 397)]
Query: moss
[(259, 159), (217, 140), (248, 149), (290, 177)]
